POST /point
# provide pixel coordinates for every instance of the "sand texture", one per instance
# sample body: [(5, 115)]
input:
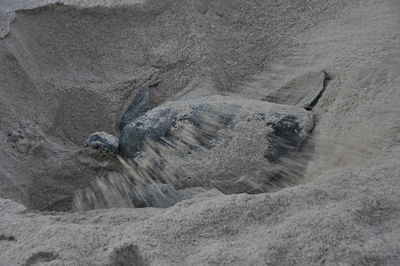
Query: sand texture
[(71, 68)]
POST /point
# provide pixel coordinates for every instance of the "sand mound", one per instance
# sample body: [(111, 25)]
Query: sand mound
[(68, 70)]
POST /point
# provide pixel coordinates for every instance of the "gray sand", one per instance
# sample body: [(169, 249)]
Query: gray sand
[(67, 71)]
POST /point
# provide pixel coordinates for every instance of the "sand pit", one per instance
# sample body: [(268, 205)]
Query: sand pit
[(71, 68)]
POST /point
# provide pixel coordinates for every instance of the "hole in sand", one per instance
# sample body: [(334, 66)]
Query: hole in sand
[(127, 255), (80, 73), (40, 257)]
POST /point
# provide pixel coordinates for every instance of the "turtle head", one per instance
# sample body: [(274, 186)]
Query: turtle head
[(101, 145)]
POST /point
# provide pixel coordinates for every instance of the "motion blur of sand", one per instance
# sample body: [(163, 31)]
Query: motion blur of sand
[(68, 70)]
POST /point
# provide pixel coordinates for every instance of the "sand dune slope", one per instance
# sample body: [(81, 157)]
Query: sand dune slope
[(67, 70)]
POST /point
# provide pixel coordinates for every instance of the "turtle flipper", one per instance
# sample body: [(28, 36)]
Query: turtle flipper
[(138, 107), (314, 92)]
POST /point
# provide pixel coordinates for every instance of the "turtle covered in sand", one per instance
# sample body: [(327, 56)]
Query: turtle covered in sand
[(229, 143)]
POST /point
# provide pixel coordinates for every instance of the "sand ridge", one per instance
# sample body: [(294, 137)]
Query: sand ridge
[(58, 56)]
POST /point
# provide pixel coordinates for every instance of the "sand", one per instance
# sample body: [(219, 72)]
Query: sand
[(68, 70)]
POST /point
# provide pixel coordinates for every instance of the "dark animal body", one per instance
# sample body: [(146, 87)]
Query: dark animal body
[(213, 140)]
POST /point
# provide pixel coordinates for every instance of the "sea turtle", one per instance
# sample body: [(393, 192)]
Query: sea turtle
[(229, 143)]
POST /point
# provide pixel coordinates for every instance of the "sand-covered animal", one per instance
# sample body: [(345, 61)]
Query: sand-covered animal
[(215, 141), (102, 145)]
